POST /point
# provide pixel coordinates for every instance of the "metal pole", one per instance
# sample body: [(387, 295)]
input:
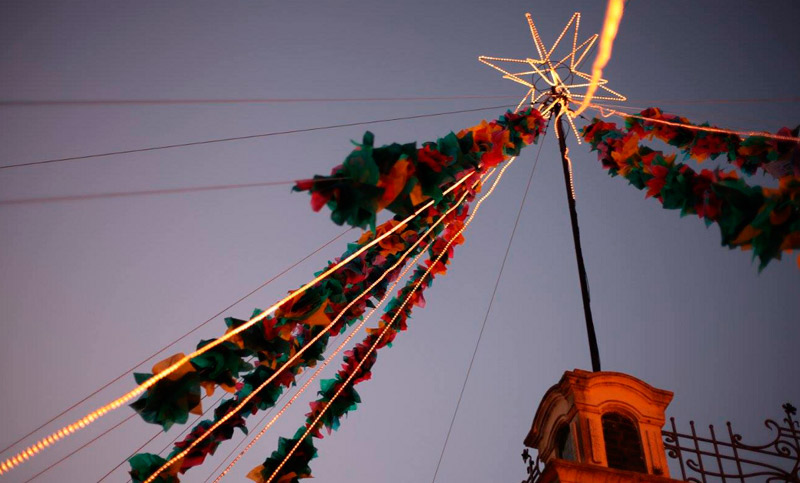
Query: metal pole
[(576, 237)]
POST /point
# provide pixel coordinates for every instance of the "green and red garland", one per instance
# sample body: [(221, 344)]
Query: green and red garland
[(397, 178), (765, 220)]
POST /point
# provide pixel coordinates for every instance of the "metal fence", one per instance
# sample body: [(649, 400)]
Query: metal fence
[(708, 458)]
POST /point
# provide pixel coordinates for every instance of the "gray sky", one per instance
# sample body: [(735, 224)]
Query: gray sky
[(90, 287)]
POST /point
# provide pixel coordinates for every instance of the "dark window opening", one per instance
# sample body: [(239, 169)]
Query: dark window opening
[(623, 444), (565, 447)]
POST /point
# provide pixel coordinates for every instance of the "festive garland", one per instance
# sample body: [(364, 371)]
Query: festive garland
[(778, 158), (751, 217), (395, 177), (326, 412), (399, 177)]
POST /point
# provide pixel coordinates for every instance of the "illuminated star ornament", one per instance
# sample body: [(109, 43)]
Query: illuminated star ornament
[(554, 83)]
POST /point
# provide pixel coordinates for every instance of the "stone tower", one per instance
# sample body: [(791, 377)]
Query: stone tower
[(601, 427)]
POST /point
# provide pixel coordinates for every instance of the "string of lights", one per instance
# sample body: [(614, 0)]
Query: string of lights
[(289, 362), (608, 112), (207, 321), (300, 391), (303, 388), (387, 326), (43, 443)]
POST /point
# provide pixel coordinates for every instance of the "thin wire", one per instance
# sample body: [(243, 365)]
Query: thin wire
[(81, 447), (321, 333), (240, 138), (720, 101), (166, 191), (131, 456), (176, 341), (489, 309), (275, 100)]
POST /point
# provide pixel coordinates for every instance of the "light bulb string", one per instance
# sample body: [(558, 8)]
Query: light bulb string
[(321, 333), (389, 325), (40, 445)]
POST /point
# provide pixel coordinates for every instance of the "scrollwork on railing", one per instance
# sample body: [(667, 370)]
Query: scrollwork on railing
[(704, 457), (534, 467)]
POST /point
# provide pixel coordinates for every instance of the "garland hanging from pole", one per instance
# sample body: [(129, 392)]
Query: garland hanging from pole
[(764, 220), (397, 178)]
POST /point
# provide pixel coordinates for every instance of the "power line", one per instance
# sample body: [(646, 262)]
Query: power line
[(174, 342), (488, 309), (251, 136), (166, 191), (268, 100)]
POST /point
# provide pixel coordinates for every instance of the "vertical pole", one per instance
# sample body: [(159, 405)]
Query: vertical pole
[(576, 237)]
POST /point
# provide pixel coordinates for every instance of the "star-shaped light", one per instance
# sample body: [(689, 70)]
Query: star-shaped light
[(554, 83)]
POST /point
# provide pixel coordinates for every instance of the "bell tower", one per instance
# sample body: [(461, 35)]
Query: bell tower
[(601, 427)]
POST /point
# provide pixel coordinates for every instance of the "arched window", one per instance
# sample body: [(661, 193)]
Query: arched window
[(623, 443), (565, 447)]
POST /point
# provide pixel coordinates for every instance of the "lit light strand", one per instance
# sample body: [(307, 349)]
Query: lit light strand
[(610, 27), (387, 326), (300, 391), (607, 112), (288, 363), (314, 376), (42, 444)]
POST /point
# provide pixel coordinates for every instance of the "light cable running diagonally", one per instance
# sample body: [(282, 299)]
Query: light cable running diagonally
[(489, 308), (241, 138), (297, 394), (318, 336), (608, 112), (289, 362), (138, 364), (386, 328), (32, 450), (302, 389)]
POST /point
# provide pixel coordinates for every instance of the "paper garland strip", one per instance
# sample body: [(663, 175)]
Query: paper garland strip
[(396, 177), (778, 158), (292, 459), (763, 219)]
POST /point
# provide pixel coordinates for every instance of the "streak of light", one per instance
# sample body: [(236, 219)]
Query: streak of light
[(610, 27), (69, 429)]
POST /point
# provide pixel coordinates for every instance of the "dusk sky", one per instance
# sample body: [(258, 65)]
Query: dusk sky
[(89, 287)]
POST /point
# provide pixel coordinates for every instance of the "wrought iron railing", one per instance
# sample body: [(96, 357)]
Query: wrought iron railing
[(534, 467), (728, 459), (703, 459)]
